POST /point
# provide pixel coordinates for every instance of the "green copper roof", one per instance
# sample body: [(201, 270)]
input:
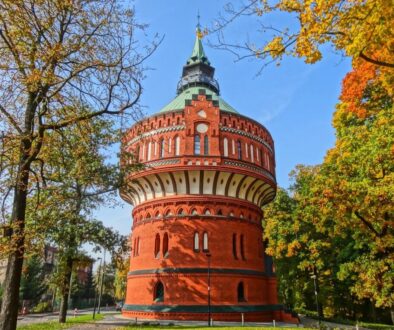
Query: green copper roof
[(198, 54), (187, 95)]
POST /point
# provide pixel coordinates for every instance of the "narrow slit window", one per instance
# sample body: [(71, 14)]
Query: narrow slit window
[(165, 245), (157, 246), (177, 145), (239, 150), (225, 147), (205, 242), (197, 144), (196, 242), (241, 292), (206, 145), (162, 148)]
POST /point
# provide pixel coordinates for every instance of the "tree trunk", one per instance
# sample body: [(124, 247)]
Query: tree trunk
[(10, 304), (65, 290)]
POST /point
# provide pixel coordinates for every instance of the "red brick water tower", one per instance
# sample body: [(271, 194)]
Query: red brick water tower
[(197, 214)]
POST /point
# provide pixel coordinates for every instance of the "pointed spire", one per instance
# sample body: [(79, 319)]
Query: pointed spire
[(198, 54)]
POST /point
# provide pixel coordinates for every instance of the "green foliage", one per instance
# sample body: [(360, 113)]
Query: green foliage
[(33, 282), (41, 307)]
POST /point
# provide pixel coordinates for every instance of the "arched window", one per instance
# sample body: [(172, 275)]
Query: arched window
[(143, 152), (149, 151), (246, 150), (207, 212), (241, 215), (205, 242), (159, 292), (242, 248), (165, 245), (148, 216), (257, 154), (162, 148), (194, 212), (181, 212), (156, 144), (168, 213), (235, 246), (177, 145), (196, 242), (206, 145), (225, 147), (251, 153), (138, 246), (239, 150), (220, 212), (233, 145), (241, 292), (169, 145), (157, 246), (197, 144), (261, 157)]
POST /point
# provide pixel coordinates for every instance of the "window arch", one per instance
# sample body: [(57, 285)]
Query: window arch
[(225, 147), (241, 292), (148, 216), (220, 212), (205, 246), (196, 242), (159, 292), (207, 212), (197, 144), (206, 145), (239, 145), (242, 248), (194, 212), (162, 148), (165, 245), (168, 213), (177, 145), (181, 212), (235, 246), (157, 246)]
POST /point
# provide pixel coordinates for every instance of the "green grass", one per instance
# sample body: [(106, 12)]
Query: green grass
[(377, 326), (54, 325)]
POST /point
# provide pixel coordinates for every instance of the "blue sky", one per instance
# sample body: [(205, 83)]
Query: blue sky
[(295, 101)]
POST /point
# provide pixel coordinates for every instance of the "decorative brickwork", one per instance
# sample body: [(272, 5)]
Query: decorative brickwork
[(207, 172)]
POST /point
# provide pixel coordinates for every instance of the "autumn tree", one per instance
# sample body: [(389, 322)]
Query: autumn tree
[(355, 184), (358, 29), (78, 179), (61, 62)]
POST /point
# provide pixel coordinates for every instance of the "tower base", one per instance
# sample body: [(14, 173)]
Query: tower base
[(263, 313)]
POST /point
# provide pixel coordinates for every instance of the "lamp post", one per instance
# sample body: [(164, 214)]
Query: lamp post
[(209, 288), (314, 277), (101, 286), (95, 294)]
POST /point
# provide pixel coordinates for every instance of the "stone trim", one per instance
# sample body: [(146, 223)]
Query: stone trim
[(243, 133), (156, 131), (197, 271), (249, 167)]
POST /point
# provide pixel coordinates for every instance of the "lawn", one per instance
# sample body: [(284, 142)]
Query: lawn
[(54, 325)]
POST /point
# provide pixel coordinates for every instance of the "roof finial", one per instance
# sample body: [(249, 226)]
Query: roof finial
[(198, 19), (198, 27)]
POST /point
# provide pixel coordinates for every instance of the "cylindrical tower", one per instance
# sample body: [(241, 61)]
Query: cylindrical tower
[(207, 171)]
